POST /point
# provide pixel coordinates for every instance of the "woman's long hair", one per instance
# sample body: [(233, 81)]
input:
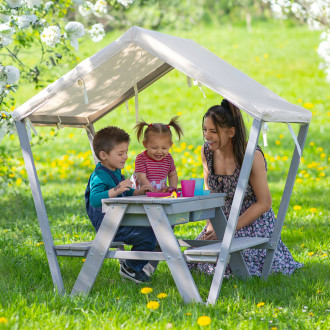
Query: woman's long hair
[(228, 115)]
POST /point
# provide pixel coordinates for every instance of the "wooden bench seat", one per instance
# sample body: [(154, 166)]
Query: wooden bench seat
[(210, 252)]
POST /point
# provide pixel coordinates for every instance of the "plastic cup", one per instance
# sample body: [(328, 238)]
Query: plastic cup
[(188, 187), (198, 185)]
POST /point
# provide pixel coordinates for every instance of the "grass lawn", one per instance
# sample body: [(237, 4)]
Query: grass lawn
[(283, 59)]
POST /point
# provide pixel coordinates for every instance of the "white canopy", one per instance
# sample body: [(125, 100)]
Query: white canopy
[(139, 58)]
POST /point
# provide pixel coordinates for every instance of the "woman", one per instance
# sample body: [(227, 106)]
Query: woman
[(222, 158)]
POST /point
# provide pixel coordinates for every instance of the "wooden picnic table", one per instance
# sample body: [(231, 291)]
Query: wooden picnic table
[(161, 214)]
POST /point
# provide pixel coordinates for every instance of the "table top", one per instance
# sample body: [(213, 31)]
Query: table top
[(143, 199)]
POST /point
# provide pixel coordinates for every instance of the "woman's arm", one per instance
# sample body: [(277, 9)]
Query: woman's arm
[(173, 179), (258, 180)]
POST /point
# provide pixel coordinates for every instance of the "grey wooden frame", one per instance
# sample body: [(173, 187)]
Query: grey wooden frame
[(224, 229)]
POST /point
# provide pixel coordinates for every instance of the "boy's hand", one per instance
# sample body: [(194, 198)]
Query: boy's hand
[(123, 186)]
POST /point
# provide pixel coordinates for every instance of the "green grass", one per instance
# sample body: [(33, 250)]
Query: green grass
[(284, 60)]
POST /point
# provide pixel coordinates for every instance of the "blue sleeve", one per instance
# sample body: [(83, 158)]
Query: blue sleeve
[(100, 184), (130, 192)]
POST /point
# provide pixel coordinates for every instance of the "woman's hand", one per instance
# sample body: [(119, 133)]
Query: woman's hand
[(210, 234)]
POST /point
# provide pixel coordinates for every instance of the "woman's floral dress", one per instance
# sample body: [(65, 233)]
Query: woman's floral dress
[(261, 227)]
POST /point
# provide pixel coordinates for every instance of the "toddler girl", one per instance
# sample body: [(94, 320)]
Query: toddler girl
[(154, 165)]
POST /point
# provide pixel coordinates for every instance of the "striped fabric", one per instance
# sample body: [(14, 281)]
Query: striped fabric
[(154, 169)]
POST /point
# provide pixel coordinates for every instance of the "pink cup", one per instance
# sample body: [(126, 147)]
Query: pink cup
[(188, 187)]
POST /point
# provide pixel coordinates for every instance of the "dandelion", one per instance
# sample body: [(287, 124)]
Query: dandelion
[(285, 158), (204, 321), (323, 155), (323, 255), (257, 58), (313, 209), (146, 290), (84, 260), (183, 145), (312, 144), (308, 105), (273, 328), (266, 56), (310, 253), (322, 174), (19, 181), (310, 314), (297, 207), (40, 243), (153, 305), (179, 113), (162, 295), (261, 304), (299, 180), (3, 320), (277, 142), (281, 136), (302, 245), (188, 314), (318, 291)]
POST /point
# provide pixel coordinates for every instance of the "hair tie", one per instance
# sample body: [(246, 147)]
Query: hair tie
[(149, 125), (168, 126)]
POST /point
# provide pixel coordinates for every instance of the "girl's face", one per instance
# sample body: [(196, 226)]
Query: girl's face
[(116, 158), (217, 137), (158, 145)]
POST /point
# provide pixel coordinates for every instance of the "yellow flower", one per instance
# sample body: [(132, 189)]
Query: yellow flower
[(190, 147), (297, 207), (153, 305), (299, 100), (188, 314), (308, 105), (162, 295), (3, 320), (18, 181), (281, 136), (204, 321), (323, 255), (4, 115), (310, 314), (318, 291), (260, 304), (266, 55), (71, 135), (323, 155), (257, 58), (299, 180), (183, 145), (310, 253), (302, 245), (277, 142), (285, 158), (146, 290), (313, 209), (320, 149), (40, 243), (312, 144), (128, 167), (84, 260), (322, 174), (273, 328), (179, 113)]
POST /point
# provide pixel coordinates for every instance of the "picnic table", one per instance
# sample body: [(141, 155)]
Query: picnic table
[(161, 214)]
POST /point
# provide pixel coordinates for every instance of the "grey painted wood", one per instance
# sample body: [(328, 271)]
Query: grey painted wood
[(191, 243), (238, 266), (234, 212), (219, 223), (90, 134), (40, 207), (171, 249), (83, 246), (99, 249), (238, 244), (285, 200)]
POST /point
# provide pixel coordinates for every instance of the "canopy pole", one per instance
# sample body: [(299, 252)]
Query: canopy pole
[(40, 207), (285, 199), (91, 133)]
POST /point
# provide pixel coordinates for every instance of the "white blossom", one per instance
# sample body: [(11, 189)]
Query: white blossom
[(74, 31), (6, 32), (97, 32), (100, 8), (14, 3), (12, 74), (125, 3), (33, 3), (48, 4), (86, 9), (51, 36), (25, 21)]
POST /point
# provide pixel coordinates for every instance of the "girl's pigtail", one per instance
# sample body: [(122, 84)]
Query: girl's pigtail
[(174, 122), (139, 127)]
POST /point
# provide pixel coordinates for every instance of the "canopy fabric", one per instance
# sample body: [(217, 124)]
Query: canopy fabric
[(141, 57)]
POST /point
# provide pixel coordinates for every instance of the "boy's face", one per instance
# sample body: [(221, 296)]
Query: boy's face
[(116, 158)]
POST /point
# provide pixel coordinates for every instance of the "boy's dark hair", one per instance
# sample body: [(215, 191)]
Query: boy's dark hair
[(107, 138)]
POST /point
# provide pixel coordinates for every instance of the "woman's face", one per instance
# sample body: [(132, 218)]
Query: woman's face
[(217, 137)]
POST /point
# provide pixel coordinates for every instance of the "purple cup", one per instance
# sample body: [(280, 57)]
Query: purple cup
[(188, 187)]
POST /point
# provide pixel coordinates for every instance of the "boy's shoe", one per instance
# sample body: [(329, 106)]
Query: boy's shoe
[(133, 275)]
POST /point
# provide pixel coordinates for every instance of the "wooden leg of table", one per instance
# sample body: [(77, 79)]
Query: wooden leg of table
[(99, 249), (171, 250), (151, 266)]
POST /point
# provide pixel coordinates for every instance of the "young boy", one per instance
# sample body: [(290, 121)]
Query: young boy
[(110, 146)]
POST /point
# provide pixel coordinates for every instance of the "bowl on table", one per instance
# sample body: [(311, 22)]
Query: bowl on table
[(161, 194)]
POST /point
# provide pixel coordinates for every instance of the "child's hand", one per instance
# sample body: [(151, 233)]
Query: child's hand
[(123, 186), (144, 189)]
